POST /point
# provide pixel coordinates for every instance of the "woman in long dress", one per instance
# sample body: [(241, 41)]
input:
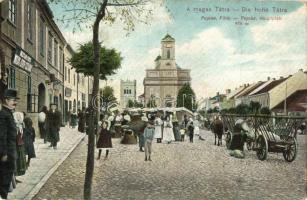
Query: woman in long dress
[(168, 134), (158, 128), (29, 138)]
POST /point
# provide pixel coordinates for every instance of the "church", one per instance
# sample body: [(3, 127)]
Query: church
[(163, 83)]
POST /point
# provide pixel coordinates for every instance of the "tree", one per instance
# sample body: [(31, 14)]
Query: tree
[(265, 111), (242, 109), (83, 61), (186, 97), (84, 11), (108, 98), (254, 107), (130, 103)]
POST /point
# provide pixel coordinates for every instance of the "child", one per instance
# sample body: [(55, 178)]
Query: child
[(182, 132), (104, 140), (148, 136), (29, 138)]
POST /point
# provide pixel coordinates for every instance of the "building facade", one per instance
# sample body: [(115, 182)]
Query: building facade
[(77, 87), (33, 54), (127, 92), (163, 83)]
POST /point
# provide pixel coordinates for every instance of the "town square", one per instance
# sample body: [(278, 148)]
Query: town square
[(164, 99)]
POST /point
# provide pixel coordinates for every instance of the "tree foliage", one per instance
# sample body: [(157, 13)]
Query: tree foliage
[(186, 97), (83, 61), (108, 98)]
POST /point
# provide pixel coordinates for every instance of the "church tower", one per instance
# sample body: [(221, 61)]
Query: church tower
[(167, 58)]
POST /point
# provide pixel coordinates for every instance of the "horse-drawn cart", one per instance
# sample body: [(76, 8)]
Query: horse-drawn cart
[(274, 134)]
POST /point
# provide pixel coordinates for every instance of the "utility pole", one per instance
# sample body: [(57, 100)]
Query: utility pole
[(285, 102)]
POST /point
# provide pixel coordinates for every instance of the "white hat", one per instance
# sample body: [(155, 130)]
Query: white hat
[(145, 119)]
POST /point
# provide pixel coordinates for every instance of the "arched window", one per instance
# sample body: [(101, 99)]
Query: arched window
[(168, 54)]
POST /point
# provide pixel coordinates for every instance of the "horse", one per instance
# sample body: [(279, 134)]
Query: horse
[(218, 131)]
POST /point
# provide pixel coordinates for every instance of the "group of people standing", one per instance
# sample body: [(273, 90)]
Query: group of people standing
[(17, 137)]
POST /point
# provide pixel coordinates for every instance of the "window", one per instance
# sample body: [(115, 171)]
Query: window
[(29, 20), (68, 75), (65, 73), (12, 11), (55, 54), (42, 37), (50, 48), (74, 79), (61, 60), (12, 78), (168, 53), (29, 95)]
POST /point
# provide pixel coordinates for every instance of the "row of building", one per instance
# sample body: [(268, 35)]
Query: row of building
[(35, 59), (285, 94)]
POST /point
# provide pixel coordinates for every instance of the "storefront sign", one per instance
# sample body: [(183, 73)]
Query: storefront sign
[(22, 60)]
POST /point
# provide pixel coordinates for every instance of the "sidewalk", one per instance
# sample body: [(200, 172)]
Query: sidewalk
[(46, 162)]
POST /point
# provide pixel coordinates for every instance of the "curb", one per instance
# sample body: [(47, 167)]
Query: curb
[(38, 187)]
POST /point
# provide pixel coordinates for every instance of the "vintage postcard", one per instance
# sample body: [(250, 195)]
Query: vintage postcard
[(153, 99)]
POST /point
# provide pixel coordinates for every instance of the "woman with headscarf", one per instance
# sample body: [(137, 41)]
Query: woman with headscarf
[(21, 158), (29, 138)]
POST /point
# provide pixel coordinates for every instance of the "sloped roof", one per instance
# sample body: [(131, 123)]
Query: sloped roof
[(167, 37), (235, 92), (271, 85), (249, 89)]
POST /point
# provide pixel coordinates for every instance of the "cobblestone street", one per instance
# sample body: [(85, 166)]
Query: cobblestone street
[(184, 171)]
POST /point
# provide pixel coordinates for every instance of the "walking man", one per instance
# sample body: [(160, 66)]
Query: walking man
[(148, 136), (53, 125), (7, 141)]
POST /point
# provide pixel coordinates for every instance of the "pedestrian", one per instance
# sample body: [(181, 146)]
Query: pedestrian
[(196, 127), (29, 139), (158, 127), (21, 165), (182, 133), (190, 128), (53, 125), (176, 127), (104, 140), (168, 134), (42, 123), (141, 132), (73, 119), (148, 137), (68, 118), (7, 141), (81, 120)]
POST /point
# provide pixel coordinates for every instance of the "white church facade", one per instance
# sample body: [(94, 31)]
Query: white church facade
[(162, 83)]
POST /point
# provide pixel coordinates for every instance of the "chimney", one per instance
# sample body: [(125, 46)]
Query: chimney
[(301, 70), (244, 85), (269, 78), (217, 94), (228, 91), (274, 79), (281, 77)]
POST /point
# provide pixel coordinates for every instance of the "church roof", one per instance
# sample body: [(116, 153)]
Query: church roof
[(167, 37)]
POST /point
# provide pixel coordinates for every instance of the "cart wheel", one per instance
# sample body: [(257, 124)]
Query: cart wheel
[(290, 150), (262, 147), (228, 139)]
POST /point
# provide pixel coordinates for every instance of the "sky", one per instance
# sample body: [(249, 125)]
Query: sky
[(225, 43)]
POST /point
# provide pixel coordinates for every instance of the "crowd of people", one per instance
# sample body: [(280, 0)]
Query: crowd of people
[(17, 137), (145, 128)]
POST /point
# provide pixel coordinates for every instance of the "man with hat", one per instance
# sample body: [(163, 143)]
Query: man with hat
[(7, 141), (53, 125)]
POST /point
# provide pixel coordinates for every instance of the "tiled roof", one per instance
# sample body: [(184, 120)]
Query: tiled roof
[(249, 89), (270, 86)]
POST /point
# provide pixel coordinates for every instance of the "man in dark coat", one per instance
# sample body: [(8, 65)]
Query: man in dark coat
[(7, 141), (53, 125), (81, 122)]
